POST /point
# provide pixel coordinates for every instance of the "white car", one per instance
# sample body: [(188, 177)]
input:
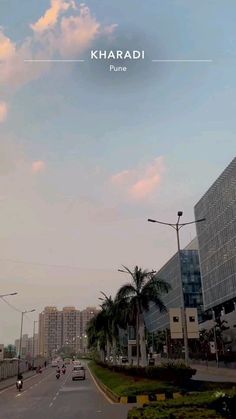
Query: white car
[(55, 363), (78, 373)]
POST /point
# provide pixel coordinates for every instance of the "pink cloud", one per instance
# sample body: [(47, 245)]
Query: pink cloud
[(54, 34), (7, 47), (51, 16), (143, 182), (78, 32), (38, 166), (122, 177), (3, 111)]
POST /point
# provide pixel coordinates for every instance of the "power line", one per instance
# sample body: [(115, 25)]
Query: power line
[(11, 305), (54, 265)]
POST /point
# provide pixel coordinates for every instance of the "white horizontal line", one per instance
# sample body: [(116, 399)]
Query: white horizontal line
[(54, 61), (182, 61)]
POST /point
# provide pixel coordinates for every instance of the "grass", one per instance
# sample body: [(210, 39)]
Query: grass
[(124, 385), (196, 406)]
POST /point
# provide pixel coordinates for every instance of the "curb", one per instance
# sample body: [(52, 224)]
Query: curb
[(12, 384), (109, 393), (140, 399), (148, 398)]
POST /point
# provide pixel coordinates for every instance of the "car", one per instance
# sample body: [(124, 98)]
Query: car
[(55, 363), (78, 373), (76, 363)]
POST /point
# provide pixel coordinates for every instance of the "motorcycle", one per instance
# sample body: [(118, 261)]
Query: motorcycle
[(58, 375), (19, 385)]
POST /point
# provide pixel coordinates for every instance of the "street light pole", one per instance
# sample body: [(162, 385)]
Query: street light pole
[(20, 343), (177, 226), (35, 321)]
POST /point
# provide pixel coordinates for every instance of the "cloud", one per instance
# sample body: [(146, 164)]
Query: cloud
[(3, 111), (141, 183), (77, 32), (38, 166), (122, 177), (51, 16), (55, 34), (7, 47)]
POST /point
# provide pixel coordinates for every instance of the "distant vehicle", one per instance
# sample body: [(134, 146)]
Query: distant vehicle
[(124, 360), (19, 384), (78, 373), (54, 363), (76, 362)]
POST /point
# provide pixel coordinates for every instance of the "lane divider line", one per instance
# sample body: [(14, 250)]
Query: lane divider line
[(99, 389)]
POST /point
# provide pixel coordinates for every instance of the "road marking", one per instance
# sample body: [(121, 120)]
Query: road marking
[(54, 398), (99, 389), (27, 379), (51, 404), (18, 395)]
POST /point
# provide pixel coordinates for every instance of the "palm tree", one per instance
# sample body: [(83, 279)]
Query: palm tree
[(97, 333), (136, 295), (110, 308), (105, 326)]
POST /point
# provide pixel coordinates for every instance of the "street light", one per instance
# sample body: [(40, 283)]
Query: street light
[(177, 226), (7, 295), (35, 321), (21, 328)]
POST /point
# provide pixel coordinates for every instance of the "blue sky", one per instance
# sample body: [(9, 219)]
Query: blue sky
[(87, 156)]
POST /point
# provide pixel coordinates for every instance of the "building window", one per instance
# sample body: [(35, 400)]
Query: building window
[(176, 319), (192, 319)]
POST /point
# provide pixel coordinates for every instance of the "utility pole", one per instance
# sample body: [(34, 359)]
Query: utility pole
[(177, 226), (20, 343), (35, 321)]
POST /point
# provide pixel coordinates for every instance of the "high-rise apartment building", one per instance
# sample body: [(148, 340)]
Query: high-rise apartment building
[(65, 328), (217, 241), (86, 316), (50, 331), (70, 327), (29, 346)]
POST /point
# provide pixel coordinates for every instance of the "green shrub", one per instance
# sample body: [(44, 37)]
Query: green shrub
[(173, 372)]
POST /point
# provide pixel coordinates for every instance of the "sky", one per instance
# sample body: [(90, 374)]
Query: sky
[(87, 155)]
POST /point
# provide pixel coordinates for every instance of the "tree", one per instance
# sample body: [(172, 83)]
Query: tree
[(220, 327), (110, 308), (9, 351), (136, 296)]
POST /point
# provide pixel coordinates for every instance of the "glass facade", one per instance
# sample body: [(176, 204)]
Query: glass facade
[(217, 239), (191, 280)]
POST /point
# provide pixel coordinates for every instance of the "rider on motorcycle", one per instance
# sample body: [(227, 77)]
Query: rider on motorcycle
[(19, 380)]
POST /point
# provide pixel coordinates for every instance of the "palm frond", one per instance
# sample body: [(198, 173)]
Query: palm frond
[(127, 291)]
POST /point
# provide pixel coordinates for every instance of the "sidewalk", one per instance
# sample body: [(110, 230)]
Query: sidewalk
[(210, 373), (8, 382)]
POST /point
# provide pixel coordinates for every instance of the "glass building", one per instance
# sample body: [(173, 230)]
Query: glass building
[(191, 280), (217, 241)]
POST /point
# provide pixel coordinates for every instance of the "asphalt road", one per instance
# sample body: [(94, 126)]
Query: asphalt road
[(45, 397)]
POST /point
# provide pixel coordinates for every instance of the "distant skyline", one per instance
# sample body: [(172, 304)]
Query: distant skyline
[(86, 157)]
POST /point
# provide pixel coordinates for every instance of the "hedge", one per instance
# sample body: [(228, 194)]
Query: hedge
[(173, 372)]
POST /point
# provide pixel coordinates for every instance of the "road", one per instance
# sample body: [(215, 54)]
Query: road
[(45, 397)]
